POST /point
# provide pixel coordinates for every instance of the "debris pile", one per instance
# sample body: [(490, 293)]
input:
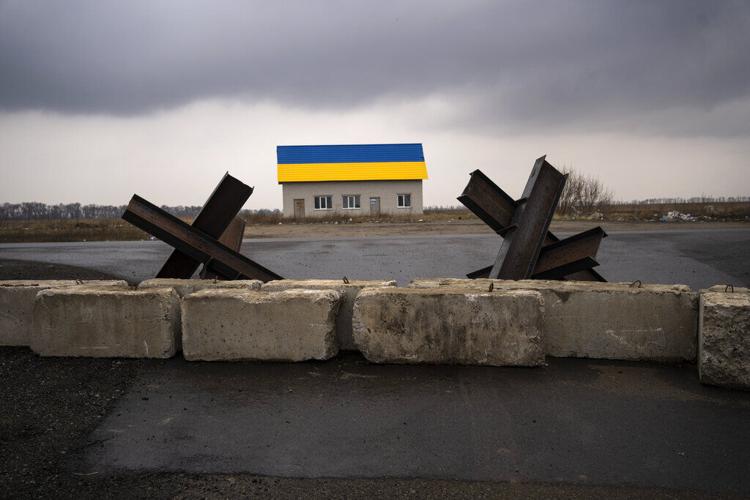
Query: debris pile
[(676, 216)]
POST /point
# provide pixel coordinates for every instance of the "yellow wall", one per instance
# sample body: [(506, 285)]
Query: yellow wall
[(375, 171)]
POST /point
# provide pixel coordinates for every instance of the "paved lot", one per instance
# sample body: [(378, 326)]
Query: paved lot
[(575, 421), (696, 258), (577, 428)]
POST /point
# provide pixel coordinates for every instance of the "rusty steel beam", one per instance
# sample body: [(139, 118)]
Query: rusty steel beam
[(232, 236), (491, 204), (496, 208), (570, 255), (232, 239), (193, 242), (220, 209), (587, 275), (488, 202), (522, 244), (570, 258)]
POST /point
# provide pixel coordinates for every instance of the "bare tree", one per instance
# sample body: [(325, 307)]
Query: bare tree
[(582, 194)]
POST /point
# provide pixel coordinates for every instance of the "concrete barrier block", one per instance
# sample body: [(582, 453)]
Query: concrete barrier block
[(293, 325), (17, 305), (186, 287), (446, 325), (727, 288), (106, 322), (607, 320), (724, 339), (348, 290)]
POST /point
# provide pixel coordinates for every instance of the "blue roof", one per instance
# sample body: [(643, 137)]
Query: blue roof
[(349, 153)]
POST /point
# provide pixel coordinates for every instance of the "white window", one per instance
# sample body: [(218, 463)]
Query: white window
[(324, 202), (404, 201), (351, 201)]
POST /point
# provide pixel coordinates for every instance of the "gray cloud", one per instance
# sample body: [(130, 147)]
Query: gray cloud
[(591, 62)]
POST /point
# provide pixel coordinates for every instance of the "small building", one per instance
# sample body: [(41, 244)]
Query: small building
[(353, 179)]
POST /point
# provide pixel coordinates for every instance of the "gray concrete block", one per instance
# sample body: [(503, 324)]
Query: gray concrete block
[(17, 305), (186, 287), (724, 339), (348, 290), (727, 288), (446, 325), (293, 325), (106, 322), (607, 320)]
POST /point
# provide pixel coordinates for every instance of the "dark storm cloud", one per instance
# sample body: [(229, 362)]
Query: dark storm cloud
[(523, 62)]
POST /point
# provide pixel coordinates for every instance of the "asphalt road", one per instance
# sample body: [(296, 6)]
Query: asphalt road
[(573, 422), (698, 258), (574, 429), (93, 428)]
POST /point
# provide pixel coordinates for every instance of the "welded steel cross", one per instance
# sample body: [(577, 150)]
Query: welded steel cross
[(213, 240), (529, 249)]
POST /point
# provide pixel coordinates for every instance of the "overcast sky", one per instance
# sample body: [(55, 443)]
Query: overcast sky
[(100, 99)]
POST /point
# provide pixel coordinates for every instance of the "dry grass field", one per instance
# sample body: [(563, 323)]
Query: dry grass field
[(435, 221), (68, 230), (722, 211)]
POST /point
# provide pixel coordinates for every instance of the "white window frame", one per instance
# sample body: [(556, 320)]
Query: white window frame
[(318, 198), (347, 200), (405, 197)]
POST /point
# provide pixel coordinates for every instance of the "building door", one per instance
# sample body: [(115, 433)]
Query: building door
[(299, 209), (375, 206)]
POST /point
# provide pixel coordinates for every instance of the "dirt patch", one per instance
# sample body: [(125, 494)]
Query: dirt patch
[(45, 408)]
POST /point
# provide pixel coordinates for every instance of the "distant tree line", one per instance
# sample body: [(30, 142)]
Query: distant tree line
[(694, 199), (35, 210), (582, 196), (585, 195), (261, 212)]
